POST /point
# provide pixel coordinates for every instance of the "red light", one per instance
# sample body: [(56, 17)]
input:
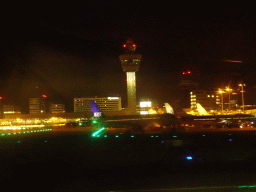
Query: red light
[(1, 97), (183, 73), (124, 45), (44, 96), (189, 72), (133, 45)]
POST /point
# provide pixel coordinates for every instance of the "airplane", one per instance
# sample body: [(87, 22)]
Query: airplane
[(135, 122), (204, 119), (169, 108)]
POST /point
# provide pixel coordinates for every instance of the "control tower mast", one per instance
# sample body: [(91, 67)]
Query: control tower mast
[(130, 63)]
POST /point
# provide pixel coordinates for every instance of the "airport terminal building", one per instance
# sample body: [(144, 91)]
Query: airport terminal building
[(104, 103)]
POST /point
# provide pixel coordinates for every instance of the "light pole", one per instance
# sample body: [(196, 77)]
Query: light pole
[(229, 90), (242, 85), (221, 92)]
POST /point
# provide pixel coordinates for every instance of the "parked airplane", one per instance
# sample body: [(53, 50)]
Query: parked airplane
[(139, 122)]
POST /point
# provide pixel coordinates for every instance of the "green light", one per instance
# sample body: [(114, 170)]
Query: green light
[(14, 133), (3, 134), (94, 122), (152, 135), (105, 136), (132, 135), (18, 141), (203, 135), (117, 136), (9, 133), (157, 136), (97, 132), (230, 134), (45, 141), (174, 136), (19, 132)]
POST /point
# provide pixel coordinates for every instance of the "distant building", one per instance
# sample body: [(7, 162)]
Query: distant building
[(7, 109), (37, 105), (208, 99), (105, 104), (57, 108), (186, 85)]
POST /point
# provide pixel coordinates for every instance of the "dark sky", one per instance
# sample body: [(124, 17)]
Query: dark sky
[(71, 53)]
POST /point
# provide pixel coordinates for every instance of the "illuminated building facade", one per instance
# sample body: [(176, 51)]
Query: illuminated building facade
[(186, 85), (208, 99), (104, 103), (130, 63), (37, 105), (11, 109), (57, 108)]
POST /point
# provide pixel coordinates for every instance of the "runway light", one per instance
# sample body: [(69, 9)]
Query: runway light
[(174, 136), (97, 132)]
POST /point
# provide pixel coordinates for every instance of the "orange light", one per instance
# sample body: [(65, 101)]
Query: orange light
[(233, 61), (124, 45), (133, 45), (44, 96)]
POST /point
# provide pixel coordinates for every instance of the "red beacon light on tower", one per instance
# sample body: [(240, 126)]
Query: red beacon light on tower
[(188, 72)]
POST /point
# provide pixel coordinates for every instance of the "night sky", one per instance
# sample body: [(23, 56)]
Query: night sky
[(69, 53)]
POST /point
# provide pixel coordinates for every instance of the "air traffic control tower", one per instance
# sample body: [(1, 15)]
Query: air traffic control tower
[(130, 63)]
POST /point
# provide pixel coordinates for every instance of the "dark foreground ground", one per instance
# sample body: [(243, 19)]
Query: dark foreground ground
[(71, 160)]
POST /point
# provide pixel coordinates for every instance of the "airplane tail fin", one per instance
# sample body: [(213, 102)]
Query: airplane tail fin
[(169, 108), (96, 112), (201, 110)]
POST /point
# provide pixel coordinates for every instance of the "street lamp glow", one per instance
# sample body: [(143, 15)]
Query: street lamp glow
[(229, 90), (242, 85), (221, 92)]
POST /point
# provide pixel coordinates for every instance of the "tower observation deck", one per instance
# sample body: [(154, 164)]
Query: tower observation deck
[(130, 62)]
